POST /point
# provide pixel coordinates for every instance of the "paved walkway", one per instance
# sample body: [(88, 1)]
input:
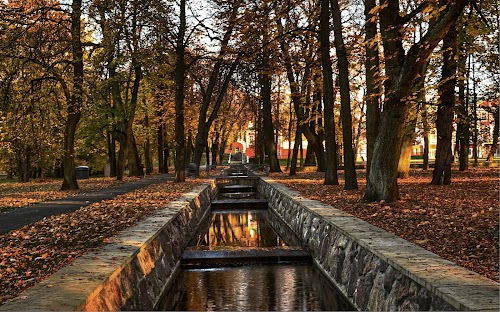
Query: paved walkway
[(17, 218)]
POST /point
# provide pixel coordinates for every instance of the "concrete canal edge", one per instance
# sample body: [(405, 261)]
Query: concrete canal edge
[(374, 269), (132, 271)]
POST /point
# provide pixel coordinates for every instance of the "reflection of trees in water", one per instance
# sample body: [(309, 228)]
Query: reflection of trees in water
[(241, 230), (263, 287)]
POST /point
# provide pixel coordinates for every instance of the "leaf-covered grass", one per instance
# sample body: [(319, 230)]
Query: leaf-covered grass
[(459, 222), (15, 194), (33, 252)]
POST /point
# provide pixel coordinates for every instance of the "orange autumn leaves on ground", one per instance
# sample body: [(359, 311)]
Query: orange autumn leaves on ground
[(15, 195), (459, 222), (31, 253)]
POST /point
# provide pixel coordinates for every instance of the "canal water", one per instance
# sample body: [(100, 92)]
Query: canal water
[(237, 228), (258, 287), (271, 275)]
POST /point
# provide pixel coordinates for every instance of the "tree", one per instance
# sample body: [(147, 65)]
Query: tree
[(76, 102), (372, 64), (463, 120), (34, 18), (122, 55), (302, 65), (179, 79), (265, 82), (206, 120), (417, 105), (331, 177), (351, 182), (401, 70), (445, 113)]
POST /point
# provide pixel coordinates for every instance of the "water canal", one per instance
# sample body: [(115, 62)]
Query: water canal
[(238, 262)]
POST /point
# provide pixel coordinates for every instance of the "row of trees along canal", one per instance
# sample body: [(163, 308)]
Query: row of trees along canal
[(133, 80)]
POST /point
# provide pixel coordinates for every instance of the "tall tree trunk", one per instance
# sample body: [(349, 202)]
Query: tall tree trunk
[(189, 147), (111, 141), (215, 148), (310, 156), (121, 163), (166, 157), (445, 114), (259, 138), (119, 129), (75, 105), (147, 147), (317, 98), (405, 158), (411, 123), (268, 127), (331, 177), (269, 144), (301, 154), (296, 144), (161, 147), (401, 70), (296, 99), (179, 80), (222, 148), (475, 151), (23, 162), (289, 137), (134, 161), (496, 130), (463, 121), (313, 133), (372, 65), (425, 165), (351, 182)]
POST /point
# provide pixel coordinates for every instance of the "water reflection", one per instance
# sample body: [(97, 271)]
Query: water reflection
[(239, 229), (273, 287)]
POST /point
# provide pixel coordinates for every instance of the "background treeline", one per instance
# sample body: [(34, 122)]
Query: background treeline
[(147, 84)]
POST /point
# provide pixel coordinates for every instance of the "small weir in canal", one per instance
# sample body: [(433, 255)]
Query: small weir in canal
[(238, 262)]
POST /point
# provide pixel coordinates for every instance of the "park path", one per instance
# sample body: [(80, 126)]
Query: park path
[(17, 218)]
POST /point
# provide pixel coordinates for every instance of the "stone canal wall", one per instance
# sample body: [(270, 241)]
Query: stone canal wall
[(374, 269), (130, 272)]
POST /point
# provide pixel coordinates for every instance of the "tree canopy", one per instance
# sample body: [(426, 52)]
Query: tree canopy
[(141, 84)]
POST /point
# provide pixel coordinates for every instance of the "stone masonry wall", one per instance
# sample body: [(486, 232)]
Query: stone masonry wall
[(132, 271), (374, 269)]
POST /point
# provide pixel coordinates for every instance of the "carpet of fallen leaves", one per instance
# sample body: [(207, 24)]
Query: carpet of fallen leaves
[(31, 253), (459, 222), (15, 194)]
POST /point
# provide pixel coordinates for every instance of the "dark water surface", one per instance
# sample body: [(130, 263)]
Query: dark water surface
[(269, 287)]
